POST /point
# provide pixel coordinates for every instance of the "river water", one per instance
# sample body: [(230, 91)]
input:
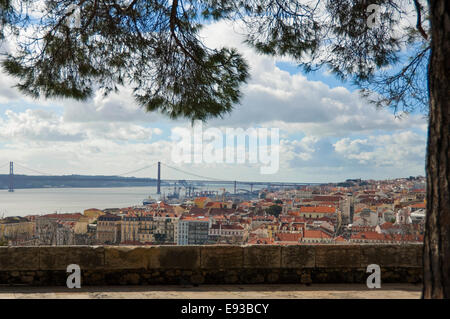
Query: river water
[(39, 201)]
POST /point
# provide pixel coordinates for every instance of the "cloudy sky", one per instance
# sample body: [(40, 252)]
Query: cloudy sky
[(327, 132)]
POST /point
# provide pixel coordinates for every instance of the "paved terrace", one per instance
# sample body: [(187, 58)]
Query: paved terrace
[(300, 271), (286, 291)]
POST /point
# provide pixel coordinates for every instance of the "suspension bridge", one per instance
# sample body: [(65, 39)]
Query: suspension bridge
[(185, 182)]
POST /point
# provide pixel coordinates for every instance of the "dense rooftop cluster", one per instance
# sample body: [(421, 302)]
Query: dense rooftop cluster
[(354, 212)]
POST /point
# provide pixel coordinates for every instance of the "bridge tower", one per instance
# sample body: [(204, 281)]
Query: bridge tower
[(235, 187), (11, 177), (158, 185)]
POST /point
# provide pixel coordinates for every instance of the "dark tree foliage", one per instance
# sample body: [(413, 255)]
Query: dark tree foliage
[(152, 46), (274, 210), (5, 15), (335, 34)]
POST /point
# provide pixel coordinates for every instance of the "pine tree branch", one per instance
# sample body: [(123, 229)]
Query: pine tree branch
[(173, 24), (419, 19)]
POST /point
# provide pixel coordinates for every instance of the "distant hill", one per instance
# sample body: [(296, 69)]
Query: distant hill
[(74, 181)]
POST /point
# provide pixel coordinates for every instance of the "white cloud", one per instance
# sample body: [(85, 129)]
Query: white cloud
[(36, 125), (116, 107), (303, 149), (397, 150), (44, 126), (7, 92), (295, 104)]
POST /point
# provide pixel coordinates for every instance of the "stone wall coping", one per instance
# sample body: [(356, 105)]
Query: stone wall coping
[(204, 257)]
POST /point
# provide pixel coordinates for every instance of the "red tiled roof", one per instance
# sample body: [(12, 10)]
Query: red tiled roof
[(386, 237), (213, 204), (199, 211), (315, 234), (386, 225), (295, 237), (327, 198), (261, 241), (340, 239), (221, 211), (418, 205), (369, 235)]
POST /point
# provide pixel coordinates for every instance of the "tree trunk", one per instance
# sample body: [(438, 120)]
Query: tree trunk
[(436, 255)]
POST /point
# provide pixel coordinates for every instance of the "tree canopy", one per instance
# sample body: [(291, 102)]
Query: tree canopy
[(154, 47), (274, 210)]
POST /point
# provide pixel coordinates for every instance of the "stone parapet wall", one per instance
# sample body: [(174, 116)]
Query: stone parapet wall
[(141, 265)]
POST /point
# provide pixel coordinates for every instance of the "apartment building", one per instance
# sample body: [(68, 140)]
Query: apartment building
[(150, 227), (108, 229), (235, 232), (17, 229), (57, 229), (193, 230), (317, 211), (165, 228)]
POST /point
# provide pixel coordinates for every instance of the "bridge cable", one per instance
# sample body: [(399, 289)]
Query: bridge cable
[(32, 170), (137, 170), (196, 175), (232, 181)]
